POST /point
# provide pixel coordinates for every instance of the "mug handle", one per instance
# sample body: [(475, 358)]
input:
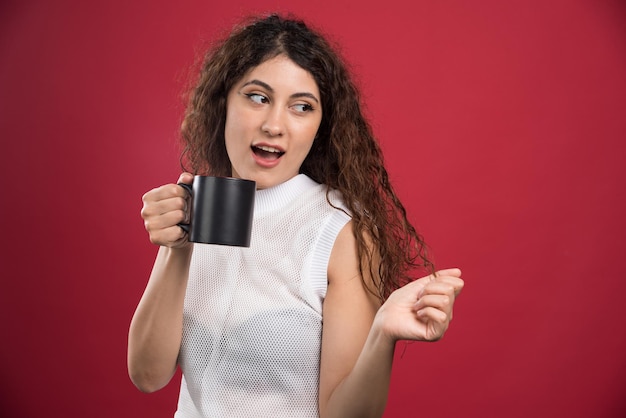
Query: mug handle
[(185, 227)]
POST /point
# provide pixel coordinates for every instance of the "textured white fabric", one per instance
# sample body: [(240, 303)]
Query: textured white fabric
[(253, 316)]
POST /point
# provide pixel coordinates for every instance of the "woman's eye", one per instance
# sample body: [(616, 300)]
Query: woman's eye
[(257, 98), (303, 107)]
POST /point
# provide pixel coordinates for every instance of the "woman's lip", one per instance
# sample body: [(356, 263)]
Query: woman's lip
[(264, 144), (263, 162)]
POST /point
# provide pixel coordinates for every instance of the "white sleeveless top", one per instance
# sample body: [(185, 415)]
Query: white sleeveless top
[(253, 316)]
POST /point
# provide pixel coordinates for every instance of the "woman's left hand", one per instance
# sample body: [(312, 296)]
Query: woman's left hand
[(421, 310)]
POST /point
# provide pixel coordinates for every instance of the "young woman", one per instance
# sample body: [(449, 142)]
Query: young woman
[(303, 323)]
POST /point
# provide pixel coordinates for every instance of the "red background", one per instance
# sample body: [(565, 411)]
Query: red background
[(503, 125)]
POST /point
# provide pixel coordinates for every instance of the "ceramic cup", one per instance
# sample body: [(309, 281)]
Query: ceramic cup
[(221, 210)]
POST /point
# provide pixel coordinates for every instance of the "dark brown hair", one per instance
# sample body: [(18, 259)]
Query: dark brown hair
[(345, 155)]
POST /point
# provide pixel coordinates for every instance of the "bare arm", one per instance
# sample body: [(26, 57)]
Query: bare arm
[(156, 328), (359, 337)]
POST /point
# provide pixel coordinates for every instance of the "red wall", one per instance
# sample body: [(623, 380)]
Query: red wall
[(503, 124)]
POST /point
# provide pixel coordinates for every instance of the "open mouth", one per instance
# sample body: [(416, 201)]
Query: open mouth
[(267, 153)]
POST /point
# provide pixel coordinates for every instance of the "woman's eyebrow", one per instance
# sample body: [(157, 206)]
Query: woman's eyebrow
[(260, 84), (271, 90), (309, 95)]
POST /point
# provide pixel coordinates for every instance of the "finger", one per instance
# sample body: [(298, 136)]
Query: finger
[(456, 283), (455, 272), (166, 220), (421, 282), (186, 178), (448, 275), (438, 288), (437, 320), (161, 207), (441, 302), (164, 192), (168, 237), (418, 286)]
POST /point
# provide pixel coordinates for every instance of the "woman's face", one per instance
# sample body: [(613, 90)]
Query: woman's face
[(272, 116)]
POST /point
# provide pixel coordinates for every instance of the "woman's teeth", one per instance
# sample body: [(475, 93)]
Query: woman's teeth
[(267, 152), (269, 149)]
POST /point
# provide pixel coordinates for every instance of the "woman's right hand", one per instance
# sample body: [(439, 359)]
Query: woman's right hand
[(163, 209)]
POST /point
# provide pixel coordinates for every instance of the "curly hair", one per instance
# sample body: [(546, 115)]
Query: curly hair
[(345, 155)]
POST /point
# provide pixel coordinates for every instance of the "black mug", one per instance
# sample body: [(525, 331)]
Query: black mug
[(221, 210)]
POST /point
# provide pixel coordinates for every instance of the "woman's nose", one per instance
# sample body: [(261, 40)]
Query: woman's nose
[(274, 124)]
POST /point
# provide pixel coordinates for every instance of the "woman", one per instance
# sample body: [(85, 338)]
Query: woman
[(304, 322)]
